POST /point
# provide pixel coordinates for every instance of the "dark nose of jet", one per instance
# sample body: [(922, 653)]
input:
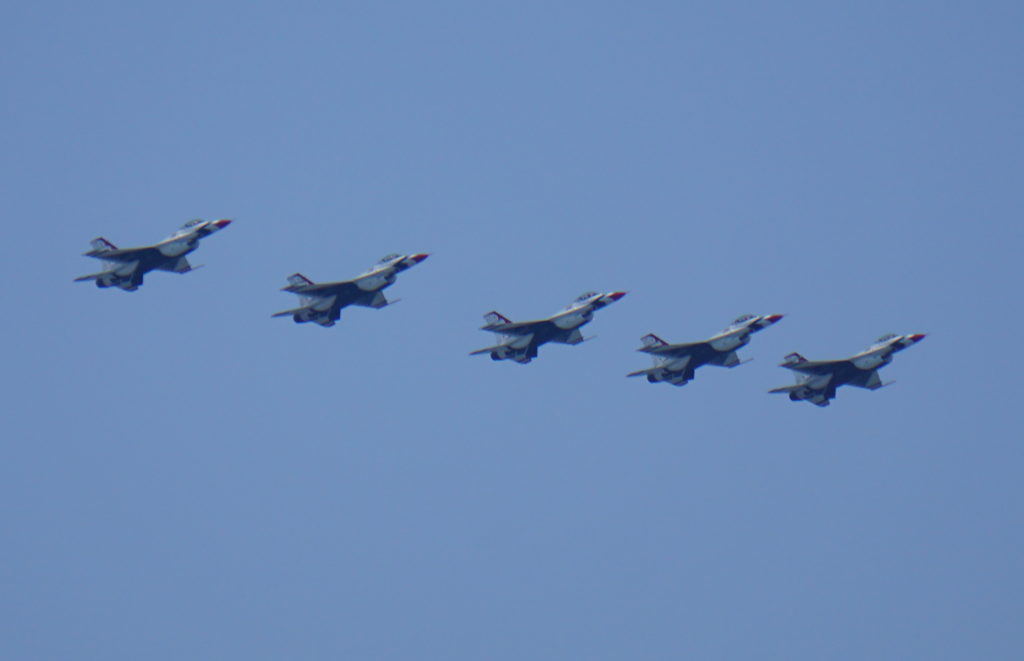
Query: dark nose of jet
[(221, 224), (416, 259), (616, 295), (772, 318), (917, 337)]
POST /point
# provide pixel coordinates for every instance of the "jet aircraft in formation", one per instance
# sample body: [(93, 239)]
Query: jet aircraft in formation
[(817, 380), (675, 363), (520, 340), (126, 267), (322, 303)]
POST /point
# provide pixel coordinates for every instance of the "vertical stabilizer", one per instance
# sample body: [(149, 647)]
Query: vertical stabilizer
[(298, 280), (99, 244), (793, 359), (493, 318), (651, 340)]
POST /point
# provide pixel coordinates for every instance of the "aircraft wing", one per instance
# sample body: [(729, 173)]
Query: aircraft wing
[(519, 327), (119, 270), (321, 289), (573, 336), (180, 265), (730, 359), (375, 299), (340, 294), (870, 380), (674, 350), (123, 254), (818, 366)]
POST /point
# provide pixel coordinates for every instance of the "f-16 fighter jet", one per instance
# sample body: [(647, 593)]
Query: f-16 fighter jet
[(322, 303), (675, 363), (125, 267), (817, 380), (520, 340)]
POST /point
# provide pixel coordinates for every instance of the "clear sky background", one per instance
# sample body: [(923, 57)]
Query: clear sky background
[(185, 478)]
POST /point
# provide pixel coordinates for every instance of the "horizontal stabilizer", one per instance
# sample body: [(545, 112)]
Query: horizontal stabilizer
[(649, 370), (93, 276), (496, 347), (288, 313), (795, 386)]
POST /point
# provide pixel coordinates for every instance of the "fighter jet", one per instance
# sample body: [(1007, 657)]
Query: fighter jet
[(520, 340), (675, 363), (322, 303), (817, 380), (125, 267)]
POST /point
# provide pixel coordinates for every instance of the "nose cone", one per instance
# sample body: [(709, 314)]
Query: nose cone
[(416, 259), (616, 295), (917, 337), (773, 318), (221, 224)]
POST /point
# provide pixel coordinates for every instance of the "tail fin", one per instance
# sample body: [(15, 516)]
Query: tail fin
[(793, 359), (652, 340), (99, 244), (493, 318), (299, 280)]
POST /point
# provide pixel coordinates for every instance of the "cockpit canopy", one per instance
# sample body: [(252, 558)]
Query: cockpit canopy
[(742, 319), (192, 223), (885, 338), (388, 258), (587, 295)]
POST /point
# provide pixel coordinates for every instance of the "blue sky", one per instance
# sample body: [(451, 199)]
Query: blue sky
[(184, 477)]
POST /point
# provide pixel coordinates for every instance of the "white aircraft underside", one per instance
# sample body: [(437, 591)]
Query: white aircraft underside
[(676, 363), (519, 341), (126, 267), (817, 381), (322, 303)]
